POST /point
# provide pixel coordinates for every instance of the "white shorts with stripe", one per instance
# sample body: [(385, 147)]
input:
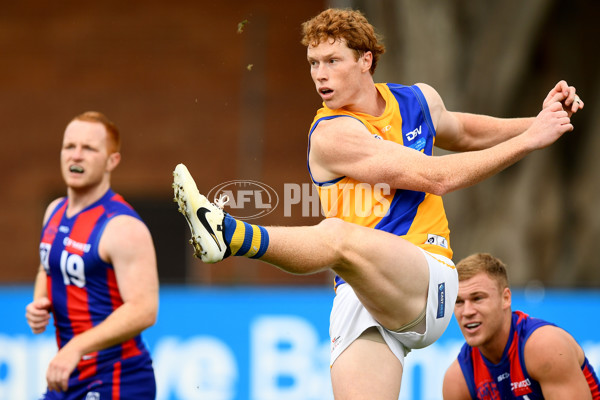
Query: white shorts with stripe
[(349, 318)]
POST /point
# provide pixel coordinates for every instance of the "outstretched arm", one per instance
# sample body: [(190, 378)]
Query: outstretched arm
[(344, 147), (466, 132), (127, 245)]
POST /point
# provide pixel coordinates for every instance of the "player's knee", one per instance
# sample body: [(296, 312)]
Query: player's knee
[(337, 233), (331, 227)]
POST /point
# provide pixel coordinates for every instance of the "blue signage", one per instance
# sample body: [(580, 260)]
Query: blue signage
[(261, 343)]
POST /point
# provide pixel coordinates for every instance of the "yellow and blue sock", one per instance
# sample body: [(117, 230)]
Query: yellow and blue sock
[(245, 239)]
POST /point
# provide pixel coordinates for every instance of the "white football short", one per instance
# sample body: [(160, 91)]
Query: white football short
[(349, 318)]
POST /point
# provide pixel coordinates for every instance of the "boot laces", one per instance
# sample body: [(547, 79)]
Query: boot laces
[(221, 200)]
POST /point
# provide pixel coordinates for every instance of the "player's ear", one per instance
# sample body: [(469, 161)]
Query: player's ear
[(113, 160), (506, 297), (367, 60)]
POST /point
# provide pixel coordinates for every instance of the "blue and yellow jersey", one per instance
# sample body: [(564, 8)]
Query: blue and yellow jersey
[(418, 217)]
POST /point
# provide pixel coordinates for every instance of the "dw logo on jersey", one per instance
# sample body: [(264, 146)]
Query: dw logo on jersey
[(410, 136), (414, 140)]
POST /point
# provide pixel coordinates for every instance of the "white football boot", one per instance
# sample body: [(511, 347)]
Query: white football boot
[(204, 218)]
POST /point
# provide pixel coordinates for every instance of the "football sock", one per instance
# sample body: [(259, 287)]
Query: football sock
[(245, 239)]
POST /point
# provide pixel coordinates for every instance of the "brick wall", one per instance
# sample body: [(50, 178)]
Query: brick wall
[(182, 84)]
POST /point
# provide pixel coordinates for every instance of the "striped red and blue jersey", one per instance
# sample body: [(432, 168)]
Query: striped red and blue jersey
[(81, 286), (418, 217), (509, 378)]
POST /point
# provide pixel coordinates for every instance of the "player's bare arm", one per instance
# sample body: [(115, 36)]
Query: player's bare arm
[(455, 387), (466, 132), (457, 131), (344, 147), (554, 359), (37, 312)]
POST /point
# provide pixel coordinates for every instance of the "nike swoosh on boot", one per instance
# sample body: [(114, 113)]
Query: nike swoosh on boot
[(201, 213)]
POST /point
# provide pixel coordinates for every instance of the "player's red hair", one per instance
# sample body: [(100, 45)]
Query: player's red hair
[(349, 25), (113, 135)]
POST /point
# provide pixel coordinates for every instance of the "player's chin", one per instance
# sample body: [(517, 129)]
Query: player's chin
[(73, 180), (472, 339), (332, 104), (77, 183)]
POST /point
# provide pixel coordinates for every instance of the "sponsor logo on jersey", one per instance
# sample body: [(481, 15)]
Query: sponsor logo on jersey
[(413, 139), (73, 244), (437, 240), (521, 388), (412, 135), (503, 376)]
